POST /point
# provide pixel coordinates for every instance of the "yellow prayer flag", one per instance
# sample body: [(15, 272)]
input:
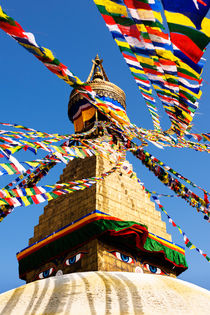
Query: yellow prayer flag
[(29, 192), (9, 171), (17, 148), (134, 70), (186, 115), (112, 7), (144, 90), (122, 44), (146, 60), (141, 27), (205, 26), (2, 14), (25, 201), (184, 66), (158, 16), (2, 203), (180, 230), (48, 53), (33, 163), (181, 19), (157, 88), (198, 95), (79, 154), (192, 247), (178, 18), (116, 9), (166, 54), (49, 197)]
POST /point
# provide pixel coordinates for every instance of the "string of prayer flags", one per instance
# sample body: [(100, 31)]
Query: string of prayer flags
[(157, 137), (98, 146), (169, 169), (126, 35), (60, 187), (10, 168), (155, 58), (158, 194), (32, 176), (190, 26), (158, 56), (13, 160), (198, 137), (187, 242), (32, 179), (152, 54), (36, 173), (63, 153), (33, 134), (174, 184), (166, 140), (27, 193), (57, 156), (27, 40), (103, 106)]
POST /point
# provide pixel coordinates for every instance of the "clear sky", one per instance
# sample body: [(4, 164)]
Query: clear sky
[(34, 97)]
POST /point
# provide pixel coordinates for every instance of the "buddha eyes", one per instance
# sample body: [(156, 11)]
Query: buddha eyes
[(74, 259), (154, 269), (68, 262), (119, 255), (130, 260), (123, 257), (46, 273)]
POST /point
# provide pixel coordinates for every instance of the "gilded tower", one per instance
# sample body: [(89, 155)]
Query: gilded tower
[(111, 226)]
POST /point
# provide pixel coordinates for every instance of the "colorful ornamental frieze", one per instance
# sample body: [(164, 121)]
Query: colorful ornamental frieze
[(99, 241)]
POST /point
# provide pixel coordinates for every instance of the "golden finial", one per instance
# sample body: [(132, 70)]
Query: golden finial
[(97, 71)]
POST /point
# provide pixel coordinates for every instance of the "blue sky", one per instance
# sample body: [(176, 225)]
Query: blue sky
[(34, 97)]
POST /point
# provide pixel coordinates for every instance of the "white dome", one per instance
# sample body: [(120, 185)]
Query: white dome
[(103, 293)]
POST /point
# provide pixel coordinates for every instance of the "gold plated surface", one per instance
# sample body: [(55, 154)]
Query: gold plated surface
[(100, 84)]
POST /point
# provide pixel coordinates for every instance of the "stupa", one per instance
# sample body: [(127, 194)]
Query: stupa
[(104, 250)]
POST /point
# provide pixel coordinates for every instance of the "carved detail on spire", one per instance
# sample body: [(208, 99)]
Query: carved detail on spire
[(97, 71)]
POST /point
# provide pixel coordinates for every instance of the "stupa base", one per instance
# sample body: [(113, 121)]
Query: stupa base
[(103, 293)]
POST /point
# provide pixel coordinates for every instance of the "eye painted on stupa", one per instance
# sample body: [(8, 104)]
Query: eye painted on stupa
[(74, 259), (46, 273), (154, 269), (123, 257)]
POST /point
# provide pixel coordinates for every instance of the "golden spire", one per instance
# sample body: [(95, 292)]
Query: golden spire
[(82, 115)]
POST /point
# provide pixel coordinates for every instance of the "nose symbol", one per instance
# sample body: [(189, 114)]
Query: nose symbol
[(59, 273), (139, 270)]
